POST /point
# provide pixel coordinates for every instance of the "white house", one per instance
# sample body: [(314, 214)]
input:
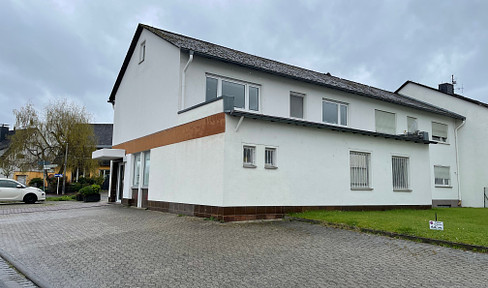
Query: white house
[(205, 130), (460, 157)]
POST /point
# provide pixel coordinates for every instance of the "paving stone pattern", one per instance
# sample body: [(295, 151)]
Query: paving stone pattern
[(114, 246), (10, 278)]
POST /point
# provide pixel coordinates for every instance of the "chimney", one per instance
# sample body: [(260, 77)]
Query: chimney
[(3, 132), (447, 88)]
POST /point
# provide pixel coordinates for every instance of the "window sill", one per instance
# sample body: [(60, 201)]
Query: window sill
[(402, 190), (248, 165), (270, 167), (440, 142), (362, 189), (442, 186)]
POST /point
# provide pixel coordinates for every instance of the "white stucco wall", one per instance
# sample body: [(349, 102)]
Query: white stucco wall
[(313, 167), (188, 172), (472, 137), (147, 98)]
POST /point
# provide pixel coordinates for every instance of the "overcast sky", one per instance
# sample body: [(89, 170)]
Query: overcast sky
[(74, 49)]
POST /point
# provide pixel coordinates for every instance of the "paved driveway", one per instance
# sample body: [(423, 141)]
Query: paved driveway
[(113, 246)]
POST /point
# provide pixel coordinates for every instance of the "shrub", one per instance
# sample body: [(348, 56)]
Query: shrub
[(89, 190), (36, 182), (74, 187)]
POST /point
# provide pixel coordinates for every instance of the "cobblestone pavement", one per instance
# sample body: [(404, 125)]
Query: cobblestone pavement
[(9, 278), (113, 246)]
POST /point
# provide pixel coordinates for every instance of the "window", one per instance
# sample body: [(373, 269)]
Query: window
[(137, 169), (147, 161), (238, 91), (360, 170), (400, 173), (334, 112), (439, 132), (211, 92), (385, 122), (296, 105), (249, 156), (246, 96), (270, 158), (442, 176), (412, 124), (142, 52), (8, 184)]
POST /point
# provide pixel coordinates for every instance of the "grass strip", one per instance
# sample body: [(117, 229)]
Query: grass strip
[(461, 225)]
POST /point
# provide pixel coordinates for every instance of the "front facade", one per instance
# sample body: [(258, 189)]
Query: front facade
[(204, 130), (463, 147)]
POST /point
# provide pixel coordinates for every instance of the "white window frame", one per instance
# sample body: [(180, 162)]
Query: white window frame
[(339, 105), (145, 168), (298, 95), (396, 163), (247, 85), (273, 164), (444, 184), (250, 160), (394, 121), (142, 51), (354, 177), (136, 170), (437, 137)]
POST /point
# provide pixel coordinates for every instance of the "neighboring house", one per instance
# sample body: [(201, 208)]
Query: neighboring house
[(103, 134), (205, 130), (5, 133), (458, 161)]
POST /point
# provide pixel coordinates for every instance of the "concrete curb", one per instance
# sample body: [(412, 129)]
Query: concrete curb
[(475, 248), (29, 274)]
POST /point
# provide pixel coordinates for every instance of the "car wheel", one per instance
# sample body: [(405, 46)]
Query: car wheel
[(30, 199)]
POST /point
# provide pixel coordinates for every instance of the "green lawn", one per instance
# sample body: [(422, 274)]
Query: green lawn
[(461, 225)]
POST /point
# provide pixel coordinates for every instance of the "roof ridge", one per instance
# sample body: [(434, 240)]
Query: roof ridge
[(238, 51)]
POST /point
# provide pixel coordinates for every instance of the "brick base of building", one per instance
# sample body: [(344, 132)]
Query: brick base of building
[(244, 213)]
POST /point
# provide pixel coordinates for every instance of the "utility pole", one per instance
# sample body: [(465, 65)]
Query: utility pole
[(64, 173)]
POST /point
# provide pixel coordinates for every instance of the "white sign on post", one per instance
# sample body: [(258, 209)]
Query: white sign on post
[(436, 225)]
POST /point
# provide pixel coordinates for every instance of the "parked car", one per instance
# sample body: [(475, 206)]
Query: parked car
[(11, 190)]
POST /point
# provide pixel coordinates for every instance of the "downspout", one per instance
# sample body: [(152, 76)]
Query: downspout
[(457, 160), (183, 78)]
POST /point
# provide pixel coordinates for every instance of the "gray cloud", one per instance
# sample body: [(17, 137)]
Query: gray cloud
[(74, 49)]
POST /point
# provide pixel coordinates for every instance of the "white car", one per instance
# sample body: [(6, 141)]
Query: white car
[(11, 190)]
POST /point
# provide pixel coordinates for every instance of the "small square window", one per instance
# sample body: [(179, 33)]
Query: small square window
[(385, 122), (142, 52), (334, 112), (249, 156), (270, 158)]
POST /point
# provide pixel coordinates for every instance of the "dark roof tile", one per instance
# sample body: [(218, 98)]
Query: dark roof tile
[(225, 54)]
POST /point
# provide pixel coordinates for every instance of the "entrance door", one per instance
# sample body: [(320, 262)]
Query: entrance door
[(120, 182)]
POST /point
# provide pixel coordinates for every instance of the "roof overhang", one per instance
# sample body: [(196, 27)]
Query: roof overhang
[(408, 138), (108, 154)]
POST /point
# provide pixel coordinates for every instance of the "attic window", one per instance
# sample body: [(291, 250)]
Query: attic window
[(142, 52)]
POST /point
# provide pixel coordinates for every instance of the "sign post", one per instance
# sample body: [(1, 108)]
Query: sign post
[(436, 225), (58, 176), (45, 169)]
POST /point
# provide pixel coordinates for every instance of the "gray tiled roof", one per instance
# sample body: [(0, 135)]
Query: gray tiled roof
[(103, 134), (221, 53)]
